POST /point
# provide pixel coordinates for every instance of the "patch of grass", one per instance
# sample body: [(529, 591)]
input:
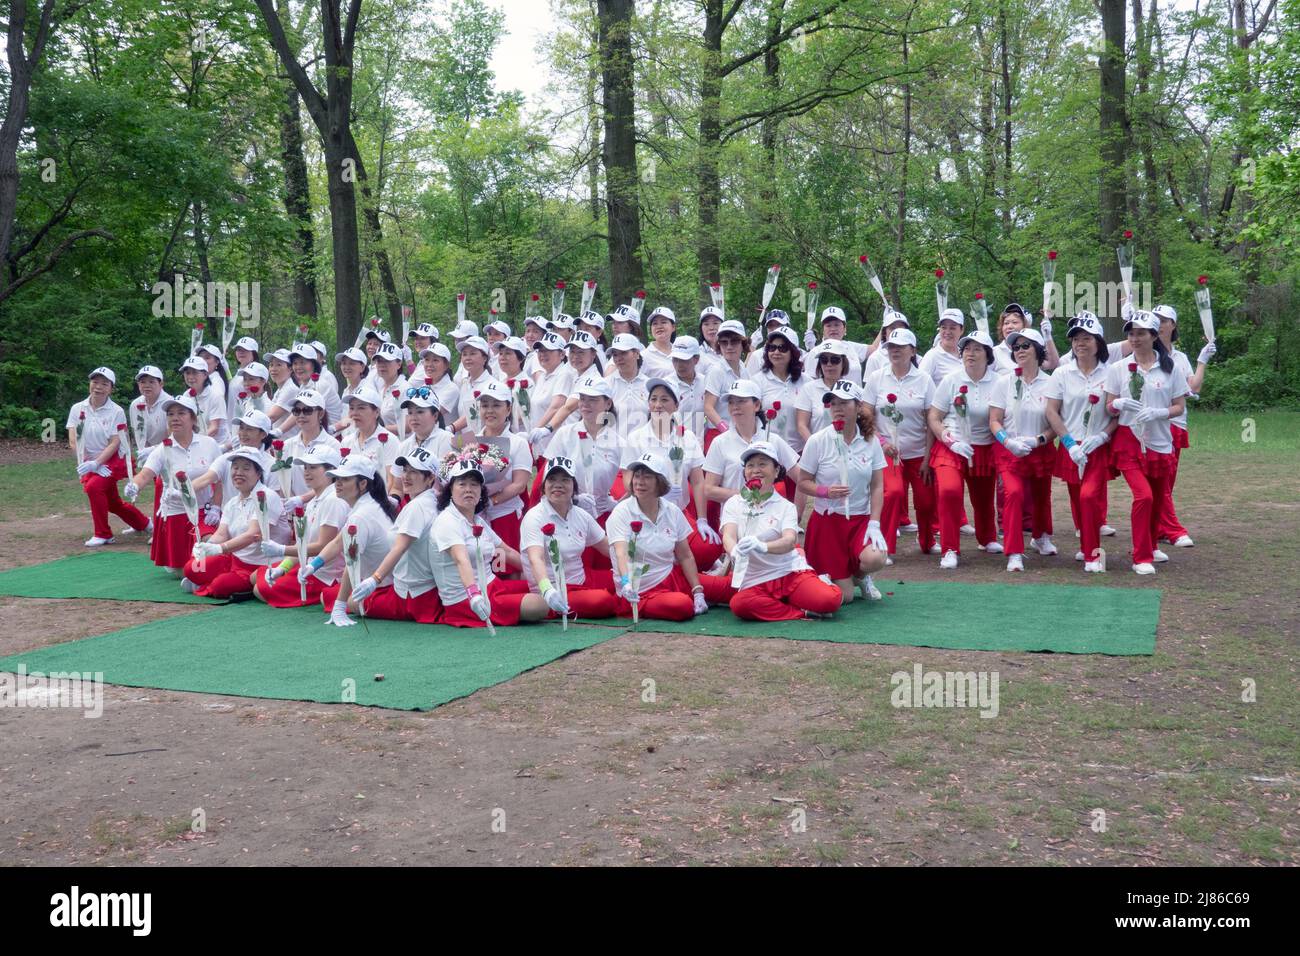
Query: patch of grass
[(44, 488)]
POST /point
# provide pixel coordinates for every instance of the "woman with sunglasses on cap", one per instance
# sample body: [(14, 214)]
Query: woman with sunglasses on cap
[(1171, 529), (959, 419), (413, 593), (101, 464), (657, 359), (228, 562), (1025, 453), (761, 531), (183, 451), (210, 402), (424, 432), (1074, 408), (898, 397), (368, 526), (254, 431), (464, 543), (732, 344), (574, 531), (843, 540), (648, 531), (1145, 393), (327, 516)]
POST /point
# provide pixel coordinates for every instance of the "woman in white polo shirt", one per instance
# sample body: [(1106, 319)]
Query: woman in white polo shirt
[(436, 373), (507, 484), (412, 595), (354, 365), (585, 361), (253, 431), (730, 366), (424, 431), (898, 397), (842, 470), (944, 357), (312, 418), (1025, 452), (102, 457), (183, 451), (548, 393), (647, 531), (283, 387), (760, 530), (390, 383), (574, 531), (327, 515), (460, 536), (1171, 529), (627, 382), (211, 403), (473, 364), (368, 436), (657, 357), (1145, 393), (779, 379), (245, 355), (227, 563), (834, 329), (593, 444), (710, 322), (148, 422), (251, 397), (830, 365)]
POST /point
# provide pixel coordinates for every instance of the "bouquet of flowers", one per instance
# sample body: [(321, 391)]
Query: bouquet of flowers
[(486, 458)]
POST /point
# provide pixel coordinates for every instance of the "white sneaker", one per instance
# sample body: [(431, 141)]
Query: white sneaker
[(1185, 541), (1159, 556), (968, 529), (98, 542), (1043, 545), (1144, 568), (825, 579), (128, 531), (1076, 533), (188, 586), (910, 528), (948, 561), (1015, 562), (867, 588), (1093, 567), (888, 561), (993, 547), (1107, 531), (1078, 555)]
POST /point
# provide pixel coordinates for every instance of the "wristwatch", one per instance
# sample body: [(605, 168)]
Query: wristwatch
[(1041, 439)]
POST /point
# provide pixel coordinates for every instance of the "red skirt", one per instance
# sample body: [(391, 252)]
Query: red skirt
[(173, 540), (1180, 437), (833, 542), (1068, 471), (1126, 455), (1039, 463), (505, 598), (983, 466), (507, 528), (285, 592)]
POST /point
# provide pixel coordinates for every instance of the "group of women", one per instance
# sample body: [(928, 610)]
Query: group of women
[(562, 473)]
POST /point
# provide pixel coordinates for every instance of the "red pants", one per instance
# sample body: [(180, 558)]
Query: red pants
[(1087, 497), (173, 540), (384, 604), (1026, 487), (221, 576), (832, 543), (671, 599), (507, 529), (899, 476), (593, 599), (1148, 478), (285, 591), (104, 500), (705, 554), (950, 471), (1170, 526), (785, 599), (505, 598)]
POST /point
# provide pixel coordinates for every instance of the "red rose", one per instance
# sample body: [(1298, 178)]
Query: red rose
[(979, 295), (715, 285), (374, 323), (505, 462), (862, 258), (548, 528), (140, 407), (891, 398), (299, 511), (963, 389), (753, 484), (938, 273), (812, 285), (1132, 366), (478, 531), (640, 294), (582, 436), (771, 414), (227, 310), (261, 495), (681, 430), (777, 406), (492, 311), (343, 452), (82, 417), (534, 297), (383, 438), (352, 529), (167, 443), (959, 401), (460, 296), (510, 383), (1094, 399), (199, 326), (1051, 254), (1128, 233), (1202, 279), (122, 427), (301, 328), (1019, 371), (560, 285), (242, 395), (477, 394), (428, 381), (255, 388), (523, 384), (397, 393), (637, 526), (482, 449), (591, 283), (315, 376), (180, 476), (839, 426), (278, 444), (193, 394)]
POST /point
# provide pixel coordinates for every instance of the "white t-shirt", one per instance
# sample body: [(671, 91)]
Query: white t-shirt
[(542, 389), (719, 382), (767, 523), (656, 542), (450, 527), (809, 399), (1072, 387), (690, 405), (241, 513), (644, 440), (597, 459), (939, 364), (325, 509), (438, 444), (100, 426), (295, 448), (575, 534), (194, 461), (382, 446), (723, 458), (656, 364), (786, 395), (857, 354), (390, 406), (467, 404), (413, 574), (821, 462), (978, 396), (631, 401), (212, 408), (374, 538), (1159, 390), (913, 394), (1025, 417), (149, 419)]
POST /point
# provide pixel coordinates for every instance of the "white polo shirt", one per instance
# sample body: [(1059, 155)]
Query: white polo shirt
[(656, 364), (241, 513), (978, 396), (149, 419), (786, 395), (374, 538), (1159, 390), (656, 542), (326, 510), (939, 364), (719, 382), (450, 527), (413, 574), (437, 443), (913, 394), (295, 448), (212, 408), (1026, 416), (1184, 365), (767, 523), (390, 406), (723, 458), (690, 403), (466, 405), (1072, 388), (631, 400), (381, 445), (542, 389), (575, 534), (520, 459), (194, 461), (690, 456), (809, 399), (100, 426), (597, 459), (821, 462)]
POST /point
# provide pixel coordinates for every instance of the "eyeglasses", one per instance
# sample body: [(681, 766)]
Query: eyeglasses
[(421, 392), (777, 347)]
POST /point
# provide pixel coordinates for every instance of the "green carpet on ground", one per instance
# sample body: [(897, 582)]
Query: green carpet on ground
[(249, 650), (104, 574), (972, 617)]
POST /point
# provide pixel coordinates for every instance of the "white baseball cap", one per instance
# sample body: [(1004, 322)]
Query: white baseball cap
[(109, 374), (249, 453), (494, 389), (1032, 334), (787, 333), (624, 342), (184, 401), (711, 310), (256, 419), (1086, 322), (595, 387), (248, 343), (462, 467), (977, 336), (592, 318), (655, 463), (356, 355), (955, 316), (310, 397), (193, 362), (322, 454), (685, 347), (537, 320), (760, 448), (1143, 320), (777, 315), (666, 312), (356, 466), (515, 344), (832, 347), (438, 349), (892, 317), (496, 325), (151, 370), (279, 355), (561, 463), (1166, 312), (321, 351), (562, 321), (654, 383), (419, 459), (420, 401), (833, 312), (582, 340), (732, 327), (744, 388), (366, 393), (303, 350), (464, 330), (423, 329), (388, 352), (253, 370), (551, 342), (625, 313), (474, 341), (843, 389), (901, 337)]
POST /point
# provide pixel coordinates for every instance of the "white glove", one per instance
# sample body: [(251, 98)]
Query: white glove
[(103, 471), (273, 549), (707, 532), (555, 601), (538, 435), (1079, 454), (1123, 404), (293, 504), (211, 515), (272, 573), (959, 447), (363, 590), (172, 498), (85, 468), (1046, 328), (306, 571), (809, 340), (1019, 447), (875, 540), (205, 549), (629, 593), (1093, 442), (1126, 310), (1149, 414), (339, 615), (701, 604), (142, 454), (587, 503), (131, 491), (1207, 353), (479, 605)]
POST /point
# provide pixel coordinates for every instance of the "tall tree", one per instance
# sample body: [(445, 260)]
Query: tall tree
[(1112, 198), (622, 203)]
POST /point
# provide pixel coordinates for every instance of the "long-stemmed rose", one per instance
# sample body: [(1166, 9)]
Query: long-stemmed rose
[(557, 565)]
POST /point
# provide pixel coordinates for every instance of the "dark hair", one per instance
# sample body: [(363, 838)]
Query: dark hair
[(1166, 360), (665, 387), (376, 489), (324, 415), (444, 496), (661, 483), (672, 335), (988, 352), (1039, 351), (744, 344), (866, 422), (220, 372), (844, 361), (796, 357), (261, 472), (780, 468)]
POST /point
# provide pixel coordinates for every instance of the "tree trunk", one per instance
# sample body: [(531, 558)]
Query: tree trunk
[(201, 244), (772, 80), (1151, 194), (900, 229), (1005, 62), (623, 213), (1113, 122), (710, 145), (297, 204)]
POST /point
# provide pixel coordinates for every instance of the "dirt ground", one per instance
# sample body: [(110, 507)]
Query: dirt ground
[(754, 751)]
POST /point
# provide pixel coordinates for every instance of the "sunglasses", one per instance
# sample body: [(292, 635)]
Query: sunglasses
[(729, 340), (1021, 346), (422, 392), (300, 410), (827, 359), (777, 347)]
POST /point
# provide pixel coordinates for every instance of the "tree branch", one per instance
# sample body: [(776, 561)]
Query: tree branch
[(53, 259)]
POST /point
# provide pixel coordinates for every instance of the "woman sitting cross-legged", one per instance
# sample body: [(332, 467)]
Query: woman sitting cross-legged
[(327, 515), (759, 530)]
